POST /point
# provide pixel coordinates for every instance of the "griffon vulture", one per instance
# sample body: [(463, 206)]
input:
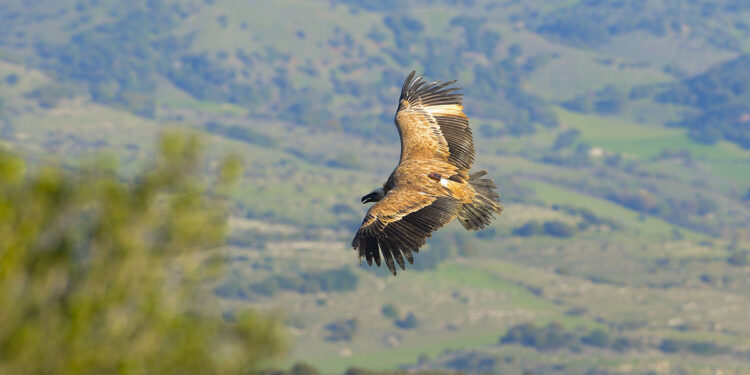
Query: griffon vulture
[(432, 184)]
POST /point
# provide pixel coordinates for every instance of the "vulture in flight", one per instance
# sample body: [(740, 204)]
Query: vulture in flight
[(432, 184)]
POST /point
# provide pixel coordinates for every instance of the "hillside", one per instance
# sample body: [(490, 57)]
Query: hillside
[(616, 132)]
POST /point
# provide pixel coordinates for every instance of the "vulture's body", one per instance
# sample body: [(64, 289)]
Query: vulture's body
[(432, 184)]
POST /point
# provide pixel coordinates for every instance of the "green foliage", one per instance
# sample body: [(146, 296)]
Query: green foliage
[(704, 348), (592, 23), (608, 101), (721, 94), (531, 228), (49, 95), (390, 311), (553, 228), (342, 330), (565, 139), (341, 280), (622, 344), (299, 368), (241, 133), (739, 258), (359, 371), (554, 337), (11, 79), (95, 274), (410, 322), (549, 337), (120, 60), (558, 228), (597, 338)]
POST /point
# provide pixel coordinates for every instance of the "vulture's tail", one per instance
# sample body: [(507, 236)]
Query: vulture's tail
[(479, 213)]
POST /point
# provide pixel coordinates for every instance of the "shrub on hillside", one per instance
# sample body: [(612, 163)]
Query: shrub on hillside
[(558, 228), (549, 337), (342, 279), (390, 311), (739, 258), (597, 338), (531, 228), (342, 330), (410, 322)]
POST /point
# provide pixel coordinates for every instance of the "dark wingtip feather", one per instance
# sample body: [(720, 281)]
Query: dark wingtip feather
[(432, 93), (407, 83), (435, 92)]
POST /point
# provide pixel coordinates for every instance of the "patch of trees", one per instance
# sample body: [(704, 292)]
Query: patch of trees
[(671, 209), (302, 368), (309, 282), (688, 212), (405, 29), (565, 139), (476, 363), (579, 157), (549, 337), (12, 79), (341, 330), (374, 5), (722, 95), (478, 39), (120, 60), (554, 228), (335, 280), (593, 23), (553, 336), (359, 371), (444, 245), (589, 218), (241, 133), (704, 348), (253, 238), (608, 101), (739, 258), (390, 311), (299, 368), (405, 32), (48, 96), (519, 110), (409, 322)]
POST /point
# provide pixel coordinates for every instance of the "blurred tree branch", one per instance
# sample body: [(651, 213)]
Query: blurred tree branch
[(88, 268)]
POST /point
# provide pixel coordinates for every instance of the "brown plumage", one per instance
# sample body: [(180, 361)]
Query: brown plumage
[(431, 185)]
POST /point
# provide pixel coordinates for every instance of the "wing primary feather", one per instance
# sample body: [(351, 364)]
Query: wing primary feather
[(395, 251), (368, 255), (388, 258), (407, 83), (375, 253)]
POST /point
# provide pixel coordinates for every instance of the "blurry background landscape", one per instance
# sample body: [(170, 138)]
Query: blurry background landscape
[(617, 131)]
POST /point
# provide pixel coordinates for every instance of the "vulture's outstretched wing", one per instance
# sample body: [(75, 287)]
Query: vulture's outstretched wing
[(400, 224), (432, 124)]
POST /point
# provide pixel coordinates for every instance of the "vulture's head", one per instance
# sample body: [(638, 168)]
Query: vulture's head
[(375, 196)]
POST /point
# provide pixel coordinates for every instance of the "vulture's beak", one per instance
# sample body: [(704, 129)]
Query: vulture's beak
[(369, 198)]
